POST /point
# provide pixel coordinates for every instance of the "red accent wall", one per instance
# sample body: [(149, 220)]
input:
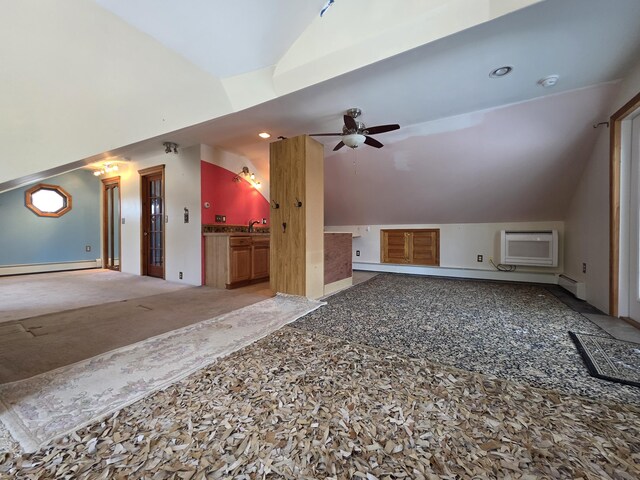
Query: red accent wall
[(239, 201)]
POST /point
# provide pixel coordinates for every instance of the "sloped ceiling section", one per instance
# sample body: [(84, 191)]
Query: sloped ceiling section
[(77, 81), (223, 38), (515, 163)]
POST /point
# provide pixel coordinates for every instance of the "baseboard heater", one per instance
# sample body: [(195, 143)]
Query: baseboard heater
[(49, 267), (579, 289)]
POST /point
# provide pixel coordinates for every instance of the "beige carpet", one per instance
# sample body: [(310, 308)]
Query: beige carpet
[(52, 404), (39, 344), (24, 296)]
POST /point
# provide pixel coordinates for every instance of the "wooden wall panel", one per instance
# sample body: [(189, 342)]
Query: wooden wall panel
[(337, 257), (314, 218), (297, 226)]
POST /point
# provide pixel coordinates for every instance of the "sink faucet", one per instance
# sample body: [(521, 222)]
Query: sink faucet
[(251, 224)]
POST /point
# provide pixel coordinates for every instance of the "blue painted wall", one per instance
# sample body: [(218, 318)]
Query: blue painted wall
[(26, 238)]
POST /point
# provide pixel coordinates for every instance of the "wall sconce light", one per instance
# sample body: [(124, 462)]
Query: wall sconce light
[(170, 147), (248, 176)]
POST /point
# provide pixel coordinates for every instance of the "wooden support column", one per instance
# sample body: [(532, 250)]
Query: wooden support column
[(296, 177)]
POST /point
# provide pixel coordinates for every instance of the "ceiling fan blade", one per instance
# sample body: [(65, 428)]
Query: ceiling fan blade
[(350, 123), (338, 146), (372, 142), (382, 129), (325, 134)]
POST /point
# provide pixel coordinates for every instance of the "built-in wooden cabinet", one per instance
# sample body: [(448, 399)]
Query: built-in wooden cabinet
[(235, 260), (413, 247), (260, 258)]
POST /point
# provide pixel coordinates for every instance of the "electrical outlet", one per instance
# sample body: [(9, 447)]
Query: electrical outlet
[(264, 221), (357, 253), (221, 218), (479, 258), (584, 268), (87, 248), (180, 276)]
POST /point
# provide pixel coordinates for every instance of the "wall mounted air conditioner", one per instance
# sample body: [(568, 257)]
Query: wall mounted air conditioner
[(535, 248)]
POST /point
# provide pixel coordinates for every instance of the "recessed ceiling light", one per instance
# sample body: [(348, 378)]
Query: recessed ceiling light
[(549, 81), (501, 71), (264, 135)]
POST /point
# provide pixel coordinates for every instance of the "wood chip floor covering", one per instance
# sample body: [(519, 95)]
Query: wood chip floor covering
[(303, 405)]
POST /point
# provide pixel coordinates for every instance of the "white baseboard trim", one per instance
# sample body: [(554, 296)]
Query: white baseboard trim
[(334, 287), (529, 277), (49, 267)]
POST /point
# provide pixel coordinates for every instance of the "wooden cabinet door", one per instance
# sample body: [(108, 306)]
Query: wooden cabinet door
[(260, 262), (423, 247), (395, 247), (239, 263)]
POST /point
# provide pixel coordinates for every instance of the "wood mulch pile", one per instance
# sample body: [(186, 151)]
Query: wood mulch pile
[(302, 405)]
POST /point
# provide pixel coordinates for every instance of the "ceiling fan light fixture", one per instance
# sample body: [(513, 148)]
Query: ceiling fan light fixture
[(353, 140)]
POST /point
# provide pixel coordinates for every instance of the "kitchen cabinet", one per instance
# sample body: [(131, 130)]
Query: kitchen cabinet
[(234, 260), (410, 246)]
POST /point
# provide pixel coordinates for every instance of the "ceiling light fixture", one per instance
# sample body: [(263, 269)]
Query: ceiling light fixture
[(264, 135), (170, 147), (248, 176), (106, 168), (501, 71), (353, 140), (548, 82)]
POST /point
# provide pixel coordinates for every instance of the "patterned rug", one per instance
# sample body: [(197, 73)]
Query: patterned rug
[(610, 359), (47, 406)]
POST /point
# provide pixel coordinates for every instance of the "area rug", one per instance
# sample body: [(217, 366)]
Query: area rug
[(609, 358), (47, 406)]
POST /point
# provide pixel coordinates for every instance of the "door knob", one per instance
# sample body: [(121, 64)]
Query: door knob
[(145, 234)]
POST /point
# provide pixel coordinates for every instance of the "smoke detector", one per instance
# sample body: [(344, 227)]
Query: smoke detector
[(548, 82)]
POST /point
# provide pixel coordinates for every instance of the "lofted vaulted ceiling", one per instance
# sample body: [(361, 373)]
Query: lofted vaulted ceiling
[(471, 148)]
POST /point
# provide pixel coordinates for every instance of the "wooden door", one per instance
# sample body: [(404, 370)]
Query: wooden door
[(424, 247), (634, 223), (260, 262), (111, 223), (239, 263), (152, 200), (394, 246)]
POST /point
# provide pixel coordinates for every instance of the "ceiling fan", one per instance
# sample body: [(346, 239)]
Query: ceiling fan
[(355, 133)]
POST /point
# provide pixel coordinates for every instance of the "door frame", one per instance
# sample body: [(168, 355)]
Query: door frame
[(105, 231), (615, 147), (145, 172)]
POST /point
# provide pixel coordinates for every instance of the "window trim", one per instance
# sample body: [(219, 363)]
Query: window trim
[(45, 186)]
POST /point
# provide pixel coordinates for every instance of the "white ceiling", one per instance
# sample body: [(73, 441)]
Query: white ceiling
[(224, 38), (479, 161)]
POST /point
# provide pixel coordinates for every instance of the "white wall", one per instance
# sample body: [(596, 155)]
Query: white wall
[(459, 246), (587, 221), (587, 226), (78, 81), (183, 241)]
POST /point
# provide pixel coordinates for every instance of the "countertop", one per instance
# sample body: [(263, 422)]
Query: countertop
[(235, 234)]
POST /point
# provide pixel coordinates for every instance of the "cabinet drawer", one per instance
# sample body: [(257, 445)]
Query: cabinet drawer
[(261, 240), (239, 241)]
